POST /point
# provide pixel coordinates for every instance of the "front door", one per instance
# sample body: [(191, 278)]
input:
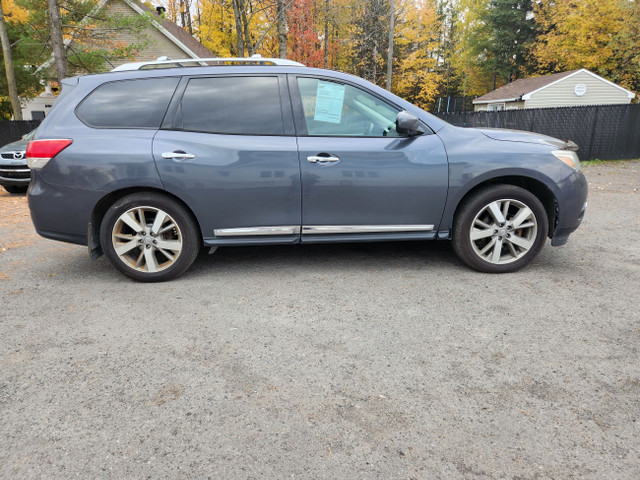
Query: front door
[(360, 178)]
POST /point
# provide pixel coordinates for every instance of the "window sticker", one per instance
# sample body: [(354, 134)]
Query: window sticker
[(329, 102)]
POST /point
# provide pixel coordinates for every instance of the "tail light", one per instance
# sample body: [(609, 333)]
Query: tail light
[(39, 152)]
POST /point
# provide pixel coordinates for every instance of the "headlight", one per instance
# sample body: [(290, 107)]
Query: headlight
[(568, 157)]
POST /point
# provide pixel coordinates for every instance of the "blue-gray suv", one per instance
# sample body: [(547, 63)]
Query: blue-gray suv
[(154, 161)]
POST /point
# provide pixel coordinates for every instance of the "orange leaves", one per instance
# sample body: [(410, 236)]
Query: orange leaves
[(14, 13)]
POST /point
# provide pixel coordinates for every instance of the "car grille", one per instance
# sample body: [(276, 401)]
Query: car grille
[(12, 155), (15, 171)]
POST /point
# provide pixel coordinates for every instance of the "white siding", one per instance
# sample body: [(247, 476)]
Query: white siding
[(562, 93)]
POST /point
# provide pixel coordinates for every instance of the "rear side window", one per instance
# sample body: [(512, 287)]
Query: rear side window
[(232, 105), (137, 103)]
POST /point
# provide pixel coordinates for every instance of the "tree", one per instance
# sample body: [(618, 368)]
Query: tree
[(600, 35), (8, 63), (57, 44), (502, 40), (416, 78), (370, 40)]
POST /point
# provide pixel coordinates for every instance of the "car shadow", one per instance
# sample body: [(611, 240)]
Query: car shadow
[(408, 255)]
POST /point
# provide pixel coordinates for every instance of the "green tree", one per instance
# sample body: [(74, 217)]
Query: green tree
[(501, 41)]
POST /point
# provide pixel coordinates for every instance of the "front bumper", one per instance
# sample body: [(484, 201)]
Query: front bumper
[(14, 175), (572, 205)]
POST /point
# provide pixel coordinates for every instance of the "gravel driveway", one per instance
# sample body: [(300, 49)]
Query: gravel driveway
[(389, 361)]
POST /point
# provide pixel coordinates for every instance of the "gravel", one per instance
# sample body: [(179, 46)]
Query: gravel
[(343, 361)]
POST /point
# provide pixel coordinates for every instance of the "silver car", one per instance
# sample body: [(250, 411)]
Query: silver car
[(15, 175)]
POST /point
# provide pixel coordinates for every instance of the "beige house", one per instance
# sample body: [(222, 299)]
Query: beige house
[(565, 89), (164, 38)]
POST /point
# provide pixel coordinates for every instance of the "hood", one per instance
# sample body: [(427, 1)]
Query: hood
[(20, 145), (504, 135)]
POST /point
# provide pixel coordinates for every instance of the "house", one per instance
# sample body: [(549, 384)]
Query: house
[(565, 89), (165, 38)]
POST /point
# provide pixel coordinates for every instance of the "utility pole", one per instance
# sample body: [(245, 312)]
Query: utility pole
[(57, 44), (390, 52), (8, 65)]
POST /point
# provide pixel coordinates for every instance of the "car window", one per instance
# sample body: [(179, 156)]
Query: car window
[(232, 105), (337, 109), (137, 103)]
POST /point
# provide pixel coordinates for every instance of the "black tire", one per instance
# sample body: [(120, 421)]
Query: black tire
[(487, 244), (16, 188), (153, 256)]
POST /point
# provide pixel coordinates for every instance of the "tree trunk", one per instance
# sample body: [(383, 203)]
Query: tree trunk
[(239, 35), (57, 44), (390, 53), (8, 65), (248, 44), (282, 28)]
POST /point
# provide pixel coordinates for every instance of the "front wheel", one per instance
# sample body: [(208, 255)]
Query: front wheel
[(500, 229), (16, 188), (149, 237)]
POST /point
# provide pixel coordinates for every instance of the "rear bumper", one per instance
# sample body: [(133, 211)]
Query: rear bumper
[(572, 206), (59, 212)]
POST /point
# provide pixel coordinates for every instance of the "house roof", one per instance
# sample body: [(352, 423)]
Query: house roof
[(515, 90), (523, 88), (181, 37)]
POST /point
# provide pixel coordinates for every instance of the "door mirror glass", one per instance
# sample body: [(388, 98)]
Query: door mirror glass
[(408, 124)]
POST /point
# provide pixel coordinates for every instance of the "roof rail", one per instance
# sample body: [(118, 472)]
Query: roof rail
[(165, 62)]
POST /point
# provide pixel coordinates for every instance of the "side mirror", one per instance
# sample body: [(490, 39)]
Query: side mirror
[(408, 124)]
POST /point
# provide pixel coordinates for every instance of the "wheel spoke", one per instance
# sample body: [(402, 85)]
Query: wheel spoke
[(522, 215), (168, 227), (488, 246), (505, 208), (167, 254), (174, 245), (139, 259), (520, 241), (157, 223), (494, 208), (123, 236), (150, 260), (482, 224), (126, 247), (477, 234), (497, 251), (131, 221), (142, 219), (512, 249)]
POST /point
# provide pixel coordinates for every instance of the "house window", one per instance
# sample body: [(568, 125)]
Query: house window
[(495, 107)]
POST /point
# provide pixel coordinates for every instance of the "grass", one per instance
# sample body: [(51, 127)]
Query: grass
[(597, 161)]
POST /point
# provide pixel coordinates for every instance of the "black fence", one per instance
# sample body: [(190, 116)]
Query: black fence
[(12, 131), (606, 132)]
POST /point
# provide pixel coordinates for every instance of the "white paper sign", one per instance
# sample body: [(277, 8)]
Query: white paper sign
[(329, 102)]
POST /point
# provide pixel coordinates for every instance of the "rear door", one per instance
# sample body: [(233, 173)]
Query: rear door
[(228, 149), (360, 178)]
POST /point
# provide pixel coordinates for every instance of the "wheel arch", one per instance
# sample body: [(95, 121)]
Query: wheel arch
[(103, 205), (535, 186)]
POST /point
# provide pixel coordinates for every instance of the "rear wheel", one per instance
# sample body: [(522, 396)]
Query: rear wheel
[(500, 229), (16, 188), (149, 237)]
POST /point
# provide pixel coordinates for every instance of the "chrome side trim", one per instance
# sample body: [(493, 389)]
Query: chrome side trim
[(256, 231), (330, 229)]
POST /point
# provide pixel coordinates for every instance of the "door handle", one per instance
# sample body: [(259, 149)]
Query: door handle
[(178, 155), (322, 159)]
